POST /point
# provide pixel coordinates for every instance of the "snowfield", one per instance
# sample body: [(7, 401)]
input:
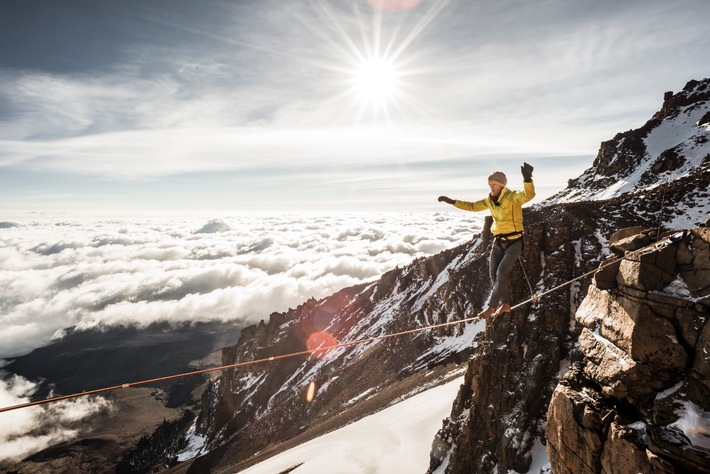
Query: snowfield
[(396, 440)]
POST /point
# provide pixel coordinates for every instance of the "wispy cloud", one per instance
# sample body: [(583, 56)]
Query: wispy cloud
[(27, 431), (255, 88)]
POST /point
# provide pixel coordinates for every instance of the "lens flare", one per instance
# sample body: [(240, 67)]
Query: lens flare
[(311, 393), (319, 342)]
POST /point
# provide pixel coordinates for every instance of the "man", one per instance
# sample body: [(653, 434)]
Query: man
[(507, 229)]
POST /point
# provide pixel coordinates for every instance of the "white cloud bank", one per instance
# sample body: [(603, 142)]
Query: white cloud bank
[(86, 272), (26, 431)]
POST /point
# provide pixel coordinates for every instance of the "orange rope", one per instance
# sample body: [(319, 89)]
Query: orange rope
[(230, 366)]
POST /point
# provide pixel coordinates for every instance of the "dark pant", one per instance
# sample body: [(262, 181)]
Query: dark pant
[(503, 257)]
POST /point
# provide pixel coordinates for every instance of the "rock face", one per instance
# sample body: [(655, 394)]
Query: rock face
[(638, 398)]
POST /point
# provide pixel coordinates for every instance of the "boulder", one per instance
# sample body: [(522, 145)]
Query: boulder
[(624, 453), (630, 239), (619, 334), (578, 450), (652, 269)]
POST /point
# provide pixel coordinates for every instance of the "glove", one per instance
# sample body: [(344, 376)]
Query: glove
[(446, 199), (526, 170)]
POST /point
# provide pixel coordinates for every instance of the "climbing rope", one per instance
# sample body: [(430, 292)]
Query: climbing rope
[(533, 296), (534, 299)]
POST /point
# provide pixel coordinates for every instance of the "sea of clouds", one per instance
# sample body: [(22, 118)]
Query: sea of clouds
[(57, 273), (67, 271)]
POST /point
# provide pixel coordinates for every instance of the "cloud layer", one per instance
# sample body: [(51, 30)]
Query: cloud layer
[(87, 272), (93, 271)]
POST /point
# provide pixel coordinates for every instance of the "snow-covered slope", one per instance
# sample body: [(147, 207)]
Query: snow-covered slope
[(674, 146), (397, 439)]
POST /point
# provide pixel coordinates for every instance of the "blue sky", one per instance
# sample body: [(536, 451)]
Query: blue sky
[(302, 105)]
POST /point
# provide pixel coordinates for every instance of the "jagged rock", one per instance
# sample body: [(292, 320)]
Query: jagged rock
[(702, 357), (611, 367), (624, 452), (575, 451), (646, 358), (629, 239), (160, 450), (605, 277), (650, 270), (632, 327), (694, 261)]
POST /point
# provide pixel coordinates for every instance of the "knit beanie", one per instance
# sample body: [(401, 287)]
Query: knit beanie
[(498, 177)]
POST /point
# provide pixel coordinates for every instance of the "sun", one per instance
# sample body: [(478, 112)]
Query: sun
[(376, 81), (371, 49), (376, 85)]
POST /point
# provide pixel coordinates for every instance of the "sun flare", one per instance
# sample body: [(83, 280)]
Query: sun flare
[(376, 80), (373, 58)]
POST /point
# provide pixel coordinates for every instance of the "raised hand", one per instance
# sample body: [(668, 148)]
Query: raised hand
[(526, 170)]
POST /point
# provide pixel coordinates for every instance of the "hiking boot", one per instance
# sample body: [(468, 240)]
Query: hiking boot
[(505, 308), (487, 313)]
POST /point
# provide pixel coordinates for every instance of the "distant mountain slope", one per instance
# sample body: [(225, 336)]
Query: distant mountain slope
[(515, 361), (93, 359), (672, 150)]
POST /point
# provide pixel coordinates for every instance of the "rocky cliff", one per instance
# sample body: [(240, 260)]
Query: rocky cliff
[(637, 399)]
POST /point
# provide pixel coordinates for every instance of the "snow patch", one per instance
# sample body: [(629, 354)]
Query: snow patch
[(678, 289), (454, 344), (564, 367), (195, 445), (694, 423), (540, 462)]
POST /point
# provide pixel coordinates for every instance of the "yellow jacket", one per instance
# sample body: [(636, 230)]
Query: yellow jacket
[(507, 213)]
